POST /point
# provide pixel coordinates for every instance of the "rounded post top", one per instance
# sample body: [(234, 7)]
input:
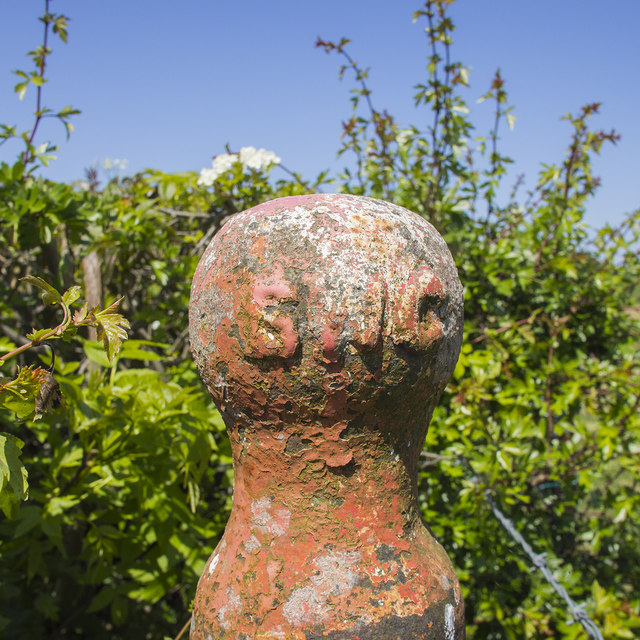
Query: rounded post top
[(318, 308)]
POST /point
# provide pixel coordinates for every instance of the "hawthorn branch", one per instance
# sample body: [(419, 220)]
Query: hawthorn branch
[(28, 156)]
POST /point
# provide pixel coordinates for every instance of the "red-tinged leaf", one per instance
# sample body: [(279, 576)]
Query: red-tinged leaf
[(19, 395), (80, 314), (26, 376), (113, 307)]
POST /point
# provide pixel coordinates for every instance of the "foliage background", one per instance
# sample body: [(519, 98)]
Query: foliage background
[(129, 481), (167, 87)]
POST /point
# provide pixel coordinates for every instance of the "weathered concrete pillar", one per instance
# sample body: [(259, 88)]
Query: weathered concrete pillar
[(326, 327)]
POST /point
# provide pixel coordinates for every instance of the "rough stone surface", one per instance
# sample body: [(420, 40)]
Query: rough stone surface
[(325, 328)]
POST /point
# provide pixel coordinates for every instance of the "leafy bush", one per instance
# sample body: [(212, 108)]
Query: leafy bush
[(129, 481)]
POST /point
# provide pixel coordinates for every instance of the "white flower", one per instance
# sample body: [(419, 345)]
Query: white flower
[(403, 136), (81, 185), (114, 163), (250, 157), (224, 162), (258, 159), (220, 165), (207, 177)]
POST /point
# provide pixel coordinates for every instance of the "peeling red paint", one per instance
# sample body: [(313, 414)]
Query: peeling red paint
[(325, 328)]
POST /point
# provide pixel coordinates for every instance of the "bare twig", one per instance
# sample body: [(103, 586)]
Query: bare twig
[(183, 630), (184, 214), (27, 156)]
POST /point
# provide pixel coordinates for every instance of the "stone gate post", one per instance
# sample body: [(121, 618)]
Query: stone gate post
[(325, 328)]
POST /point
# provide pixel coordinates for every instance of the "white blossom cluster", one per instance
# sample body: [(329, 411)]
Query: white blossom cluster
[(114, 163), (403, 137), (248, 157)]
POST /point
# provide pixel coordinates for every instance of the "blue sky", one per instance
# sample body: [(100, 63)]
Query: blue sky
[(166, 85)]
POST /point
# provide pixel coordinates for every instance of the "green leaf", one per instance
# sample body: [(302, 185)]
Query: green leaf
[(49, 295), (112, 331), (71, 295), (95, 352), (59, 505), (21, 89), (150, 592), (67, 111), (68, 127), (43, 148), (132, 350), (13, 475), (60, 27), (119, 610), (38, 334), (102, 599), (6, 346), (29, 518)]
